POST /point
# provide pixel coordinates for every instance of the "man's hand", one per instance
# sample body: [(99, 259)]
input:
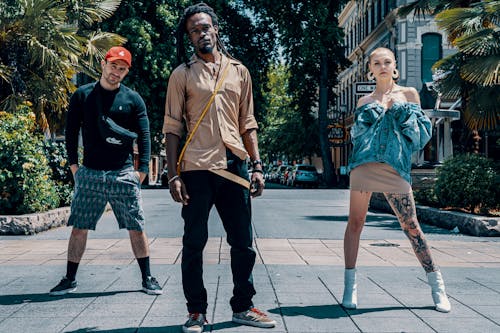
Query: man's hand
[(178, 190), (141, 175), (257, 186)]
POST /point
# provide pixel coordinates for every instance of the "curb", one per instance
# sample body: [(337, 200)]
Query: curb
[(469, 224), (30, 224)]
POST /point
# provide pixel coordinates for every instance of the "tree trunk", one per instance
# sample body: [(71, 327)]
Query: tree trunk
[(323, 121)]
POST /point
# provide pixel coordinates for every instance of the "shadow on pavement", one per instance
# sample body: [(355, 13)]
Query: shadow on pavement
[(221, 326), (343, 218), (162, 329), (334, 311), (40, 298), (380, 221)]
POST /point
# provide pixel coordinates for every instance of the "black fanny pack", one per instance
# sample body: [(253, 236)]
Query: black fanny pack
[(113, 134)]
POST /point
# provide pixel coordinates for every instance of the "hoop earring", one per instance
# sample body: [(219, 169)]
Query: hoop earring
[(370, 76), (395, 74)]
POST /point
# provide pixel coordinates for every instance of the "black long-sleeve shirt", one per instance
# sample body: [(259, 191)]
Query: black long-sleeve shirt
[(126, 108)]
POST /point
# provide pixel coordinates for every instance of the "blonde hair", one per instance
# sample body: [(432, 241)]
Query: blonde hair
[(381, 49)]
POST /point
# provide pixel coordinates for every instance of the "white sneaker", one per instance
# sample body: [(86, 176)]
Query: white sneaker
[(253, 317)]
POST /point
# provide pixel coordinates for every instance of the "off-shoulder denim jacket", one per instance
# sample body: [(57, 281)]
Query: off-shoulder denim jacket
[(389, 136)]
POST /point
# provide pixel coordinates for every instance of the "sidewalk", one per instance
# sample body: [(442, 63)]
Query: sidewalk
[(298, 281)]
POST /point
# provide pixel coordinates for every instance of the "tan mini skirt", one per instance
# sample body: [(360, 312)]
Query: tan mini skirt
[(378, 177)]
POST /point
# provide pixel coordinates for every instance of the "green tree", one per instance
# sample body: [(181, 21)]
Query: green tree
[(43, 44), (473, 73), (312, 48), (282, 127)]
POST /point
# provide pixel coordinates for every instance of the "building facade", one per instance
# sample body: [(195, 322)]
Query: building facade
[(417, 43)]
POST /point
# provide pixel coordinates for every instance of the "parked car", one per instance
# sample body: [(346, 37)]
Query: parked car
[(304, 174), (269, 174)]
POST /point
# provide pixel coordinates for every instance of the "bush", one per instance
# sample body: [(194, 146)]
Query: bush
[(25, 177), (426, 197), (468, 181), (61, 173)]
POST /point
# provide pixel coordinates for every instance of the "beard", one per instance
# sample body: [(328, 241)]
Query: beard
[(206, 49)]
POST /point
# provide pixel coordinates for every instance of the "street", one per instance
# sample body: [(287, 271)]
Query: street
[(280, 213)]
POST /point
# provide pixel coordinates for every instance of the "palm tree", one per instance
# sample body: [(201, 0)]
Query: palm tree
[(473, 73), (475, 32), (43, 44)]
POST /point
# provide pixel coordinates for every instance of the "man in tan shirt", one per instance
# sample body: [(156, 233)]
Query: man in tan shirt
[(213, 169)]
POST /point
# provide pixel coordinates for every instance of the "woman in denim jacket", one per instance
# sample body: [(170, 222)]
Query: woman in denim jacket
[(389, 126)]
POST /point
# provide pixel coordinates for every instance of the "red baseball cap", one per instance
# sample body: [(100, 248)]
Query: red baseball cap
[(119, 53)]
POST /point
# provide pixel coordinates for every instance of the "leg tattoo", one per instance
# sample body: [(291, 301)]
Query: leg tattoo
[(403, 206)]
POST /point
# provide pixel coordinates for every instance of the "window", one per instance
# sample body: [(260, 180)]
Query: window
[(366, 26), (353, 40), (378, 5), (432, 51), (402, 65), (402, 35), (373, 17)]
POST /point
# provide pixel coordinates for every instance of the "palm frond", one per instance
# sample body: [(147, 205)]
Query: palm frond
[(483, 108), (482, 43), (95, 48), (448, 80), (11, 102), (492, 9), (44, 55), (6, 72), (91, 11), (483, 71), (460, 21), (49, 40), (419, 8)]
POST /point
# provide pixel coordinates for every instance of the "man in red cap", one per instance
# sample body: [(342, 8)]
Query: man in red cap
[(111, 117)]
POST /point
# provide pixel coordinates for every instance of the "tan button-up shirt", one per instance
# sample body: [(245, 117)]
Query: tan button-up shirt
[(229, 116)]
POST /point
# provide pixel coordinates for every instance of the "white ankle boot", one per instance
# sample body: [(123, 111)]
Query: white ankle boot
[(350, 298), (438, 293)]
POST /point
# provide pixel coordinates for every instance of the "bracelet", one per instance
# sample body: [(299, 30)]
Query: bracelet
[(258, 171), (173, 178)]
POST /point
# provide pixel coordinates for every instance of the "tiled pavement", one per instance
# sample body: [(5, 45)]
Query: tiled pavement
[(298, 281), (311, 252)]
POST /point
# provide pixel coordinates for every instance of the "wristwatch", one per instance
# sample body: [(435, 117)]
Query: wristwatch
[(256, 162)]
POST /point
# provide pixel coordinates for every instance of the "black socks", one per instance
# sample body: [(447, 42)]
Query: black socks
[(144, 265), (71, 269)]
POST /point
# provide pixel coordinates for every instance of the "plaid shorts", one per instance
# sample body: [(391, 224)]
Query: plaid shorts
[(95, 188)]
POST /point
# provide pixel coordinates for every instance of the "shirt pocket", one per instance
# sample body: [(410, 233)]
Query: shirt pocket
[(232, 90)]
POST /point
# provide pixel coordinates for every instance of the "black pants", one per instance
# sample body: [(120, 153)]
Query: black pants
[(232, 201)]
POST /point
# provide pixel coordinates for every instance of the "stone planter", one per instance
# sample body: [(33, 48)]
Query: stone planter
[(30, 224), (469, 224)]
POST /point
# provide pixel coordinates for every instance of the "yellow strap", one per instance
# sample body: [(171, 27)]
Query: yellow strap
[(232, 177), (181, 155)]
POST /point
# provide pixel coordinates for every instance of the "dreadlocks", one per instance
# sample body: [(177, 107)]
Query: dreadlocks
[(181, 30)]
